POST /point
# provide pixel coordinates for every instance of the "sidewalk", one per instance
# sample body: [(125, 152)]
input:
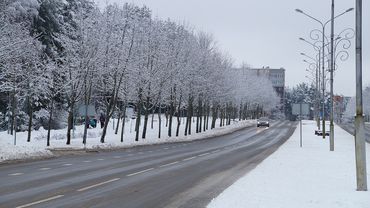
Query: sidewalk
[(311, 176)]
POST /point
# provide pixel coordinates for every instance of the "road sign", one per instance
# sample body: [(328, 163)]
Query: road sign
[(300, 109), (297, 110)]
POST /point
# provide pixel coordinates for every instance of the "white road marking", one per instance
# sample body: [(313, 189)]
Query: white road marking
[(169, 164), (150, 151), (143, 171), (117, 157), (44, 168), (98, 184), (67, 164), (100, 159), (204, 154), (16, 174), (40, 201), (190, 158), (129, 154), (140, 153), (86, 161), (165, 148)]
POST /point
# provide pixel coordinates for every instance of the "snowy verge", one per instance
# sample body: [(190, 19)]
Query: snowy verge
[(37, 149), (311, 176)]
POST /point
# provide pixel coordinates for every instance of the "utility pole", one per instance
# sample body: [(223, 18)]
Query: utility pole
[(331, 140), (360, 149)]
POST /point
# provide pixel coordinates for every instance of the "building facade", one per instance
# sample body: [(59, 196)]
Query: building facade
[(276, 76)]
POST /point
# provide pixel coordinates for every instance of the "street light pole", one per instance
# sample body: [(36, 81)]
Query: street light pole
[(359, 120), (331, 140), (323, 25)]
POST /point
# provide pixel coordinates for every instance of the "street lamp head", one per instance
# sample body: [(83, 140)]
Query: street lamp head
[(350, 9), (303, 54), (302, 39), (298, 10)]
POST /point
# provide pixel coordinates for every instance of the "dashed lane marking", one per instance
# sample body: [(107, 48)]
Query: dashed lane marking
[(98, 184), (44, 168), (173, 163), (204, 154), (143, 171), (16, 174), (40, 201), (190, 158), (67, 164)]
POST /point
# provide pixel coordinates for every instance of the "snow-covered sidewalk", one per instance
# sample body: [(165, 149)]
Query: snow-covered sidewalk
[(310, 177), (37, 147)]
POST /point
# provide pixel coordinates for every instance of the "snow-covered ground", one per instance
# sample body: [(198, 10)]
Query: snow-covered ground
[(37, 147), (311, 176)]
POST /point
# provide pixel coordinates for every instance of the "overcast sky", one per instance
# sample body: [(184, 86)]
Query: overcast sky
[(266, 32)]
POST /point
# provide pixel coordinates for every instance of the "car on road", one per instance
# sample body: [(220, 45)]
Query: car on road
[(263, 121), (319, 133)]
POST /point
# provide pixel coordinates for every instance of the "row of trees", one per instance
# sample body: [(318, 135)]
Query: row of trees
[(57, 55)]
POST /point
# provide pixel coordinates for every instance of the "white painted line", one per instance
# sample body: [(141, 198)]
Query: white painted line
[(41, 201), (44, 168), (201, 155), (98, 184), (100, 159), (117, 157), (165, 148), (140, 153), (150, 151), (86, 161), (129, 155), (67, 164), (190, 158), (169, 164), (143, 171), (16, 174)]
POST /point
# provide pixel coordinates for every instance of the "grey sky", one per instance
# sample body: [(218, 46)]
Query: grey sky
[(265, 32)]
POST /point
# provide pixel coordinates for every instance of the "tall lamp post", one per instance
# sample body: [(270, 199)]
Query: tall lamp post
[(315, 66), (359, 120), (323, 25)]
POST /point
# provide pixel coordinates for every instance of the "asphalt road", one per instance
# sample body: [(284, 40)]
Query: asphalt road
[(170, 175), (350, 128)]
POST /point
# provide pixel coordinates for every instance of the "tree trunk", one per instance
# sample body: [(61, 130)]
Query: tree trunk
[(118, 120), (159, 121), (123, 121), (178, 117), (138, 119), (69, 125), (152, 122), (29, 121), (146, 118), (49, 122)]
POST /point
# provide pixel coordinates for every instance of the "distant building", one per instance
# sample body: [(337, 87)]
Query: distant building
[(276, 76)]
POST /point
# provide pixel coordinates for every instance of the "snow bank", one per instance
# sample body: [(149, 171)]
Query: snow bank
[(311, 176), (37, 147)]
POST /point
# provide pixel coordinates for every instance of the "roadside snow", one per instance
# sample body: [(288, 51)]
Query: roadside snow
[(37, 147), (311, 176)]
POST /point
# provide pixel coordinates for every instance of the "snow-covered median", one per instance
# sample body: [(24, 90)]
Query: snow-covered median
[(37, 147), (310, 177)]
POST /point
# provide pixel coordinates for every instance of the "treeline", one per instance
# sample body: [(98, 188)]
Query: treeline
[(58, 55)]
